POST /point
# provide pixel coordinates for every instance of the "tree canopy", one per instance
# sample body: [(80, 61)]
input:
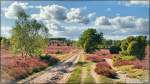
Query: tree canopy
[(90, 39), (28, 35), (134, 46)]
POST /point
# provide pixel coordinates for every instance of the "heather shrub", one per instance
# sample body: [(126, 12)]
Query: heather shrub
[(105, 69), (95, 58), (120, 63), (131, 72)]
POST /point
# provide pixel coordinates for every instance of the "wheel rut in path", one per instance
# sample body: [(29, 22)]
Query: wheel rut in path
[(55, 74)]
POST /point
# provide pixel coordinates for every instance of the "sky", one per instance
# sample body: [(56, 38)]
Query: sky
[(115, 19)]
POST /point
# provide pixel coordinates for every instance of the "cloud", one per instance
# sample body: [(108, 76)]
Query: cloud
[(55, 26), (5, 31), (135, 2), (123, 26), (90, 15), (60, 13), (53, 12), (102, 20), (124, 22), (14, 8), (77, 15)]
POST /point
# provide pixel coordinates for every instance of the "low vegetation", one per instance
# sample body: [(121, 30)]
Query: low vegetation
[(133, 73), (105, 69), (75, 77)]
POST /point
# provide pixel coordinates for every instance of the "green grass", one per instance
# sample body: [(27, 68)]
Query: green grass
[(124, 57), (133, 73), (88, 79), (75, 76), (105, 80)]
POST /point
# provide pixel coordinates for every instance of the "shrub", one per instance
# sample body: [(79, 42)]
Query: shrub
[(95, 58), (114, 49), (59, 52), (124, 53), (51, 60), (122, 62), (133, 48), (105, 69), (124, 58), (128, 58), (131, 72)]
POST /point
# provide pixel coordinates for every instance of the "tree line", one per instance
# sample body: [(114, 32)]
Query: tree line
[(91, 40)]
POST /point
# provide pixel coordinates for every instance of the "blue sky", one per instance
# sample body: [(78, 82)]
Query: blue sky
[(116, 19)]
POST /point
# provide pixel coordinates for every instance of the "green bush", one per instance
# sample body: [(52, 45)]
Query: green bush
[(124, 58), (59, 52), (134, 46), (51, 60), (124, 53), (128, 58), (114, 49)]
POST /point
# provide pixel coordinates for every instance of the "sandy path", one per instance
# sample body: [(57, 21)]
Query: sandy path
[(94, 74), (122, 77), (56, 74)]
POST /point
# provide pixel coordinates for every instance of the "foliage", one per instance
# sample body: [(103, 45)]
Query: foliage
[(124, 58), (75, 76), (28, 35), (5, 42), (134, 46), (90, 39), (105, 69), (124, 45), (106, 44), (133, 73), (54, 49), (129, 60), (105, 80), (102, 52), (95, 58), (49, 59), (14, 66), (59, 52), (122, 62), (114, 49)]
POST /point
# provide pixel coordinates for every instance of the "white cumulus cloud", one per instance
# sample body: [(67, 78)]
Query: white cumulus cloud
[(102, 20), (5, 31), (14, 8), (135, 2), (77, 15)]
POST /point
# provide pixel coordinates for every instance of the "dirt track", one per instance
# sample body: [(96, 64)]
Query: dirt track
[(55, 74)]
